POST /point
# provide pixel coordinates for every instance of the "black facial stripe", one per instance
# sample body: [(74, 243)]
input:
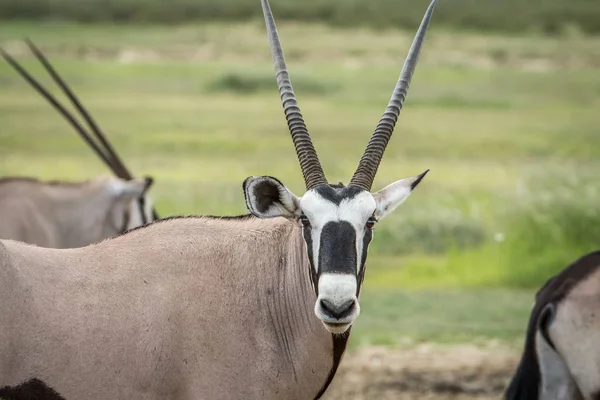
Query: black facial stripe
[(337, 195), (363, 258), (126, 217), (337, 249), (142, 205), (309, 249)]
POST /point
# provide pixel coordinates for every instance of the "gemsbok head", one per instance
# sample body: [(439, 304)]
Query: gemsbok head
[(251, 307), (72, 214), (337, 221), (561, 355)]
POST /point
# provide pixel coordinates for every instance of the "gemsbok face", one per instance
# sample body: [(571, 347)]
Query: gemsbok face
[(337, 222), (337, 225), (132, 207), (96, 209)]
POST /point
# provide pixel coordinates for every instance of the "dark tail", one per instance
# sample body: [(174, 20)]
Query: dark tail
[(525, 384)]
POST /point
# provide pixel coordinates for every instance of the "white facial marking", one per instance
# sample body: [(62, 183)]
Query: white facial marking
[(126, 189), (135, 216), (337, 290), (355, 210), (116, 187), (320, 211)]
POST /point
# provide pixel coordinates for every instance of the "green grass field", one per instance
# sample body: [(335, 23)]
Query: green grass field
[(553, 17), (507, 125)]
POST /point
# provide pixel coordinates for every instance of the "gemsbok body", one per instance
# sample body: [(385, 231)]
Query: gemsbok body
[(561, 357), (258, 306), (72, 214)]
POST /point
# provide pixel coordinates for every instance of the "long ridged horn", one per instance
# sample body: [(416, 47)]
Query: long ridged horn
[(117, 164), (57, 105), (307, 155), (369, 163)]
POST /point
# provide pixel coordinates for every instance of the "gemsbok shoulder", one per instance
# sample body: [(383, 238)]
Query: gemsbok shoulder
[(561, 356), (72, 214), (258, 306)]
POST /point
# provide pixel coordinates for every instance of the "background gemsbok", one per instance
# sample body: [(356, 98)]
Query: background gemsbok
[(208, 307), (72, 214), (561, 360)]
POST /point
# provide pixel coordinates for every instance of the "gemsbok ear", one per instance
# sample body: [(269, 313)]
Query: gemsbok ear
[(125, 190), (266, 197), (393, 195)]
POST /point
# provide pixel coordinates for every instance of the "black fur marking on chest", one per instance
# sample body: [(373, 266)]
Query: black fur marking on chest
[(33, 389), (339, 346)]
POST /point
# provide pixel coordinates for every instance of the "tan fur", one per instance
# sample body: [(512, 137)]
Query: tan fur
[(575, 332), (63, 215), (168, 311)]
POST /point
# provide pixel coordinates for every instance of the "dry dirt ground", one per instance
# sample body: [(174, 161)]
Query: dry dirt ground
[(424, 372)]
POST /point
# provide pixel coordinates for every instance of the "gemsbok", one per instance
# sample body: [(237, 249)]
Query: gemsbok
[(258, 306), (561, 358), (72, 214)]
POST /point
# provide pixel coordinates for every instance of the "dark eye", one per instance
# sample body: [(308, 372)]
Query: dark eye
[(371, 222), (304, 220)]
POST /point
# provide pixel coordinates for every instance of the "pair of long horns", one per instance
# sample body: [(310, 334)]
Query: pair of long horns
[(103, 149), (307, 155)]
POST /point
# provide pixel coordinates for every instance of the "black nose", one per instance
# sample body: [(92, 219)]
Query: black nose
[(337, 311)]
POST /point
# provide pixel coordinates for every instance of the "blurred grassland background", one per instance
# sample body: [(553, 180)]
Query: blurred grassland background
[(503, 110), (546, 16)]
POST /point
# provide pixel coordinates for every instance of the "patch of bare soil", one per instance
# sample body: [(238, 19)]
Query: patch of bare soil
[(425, 372)]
